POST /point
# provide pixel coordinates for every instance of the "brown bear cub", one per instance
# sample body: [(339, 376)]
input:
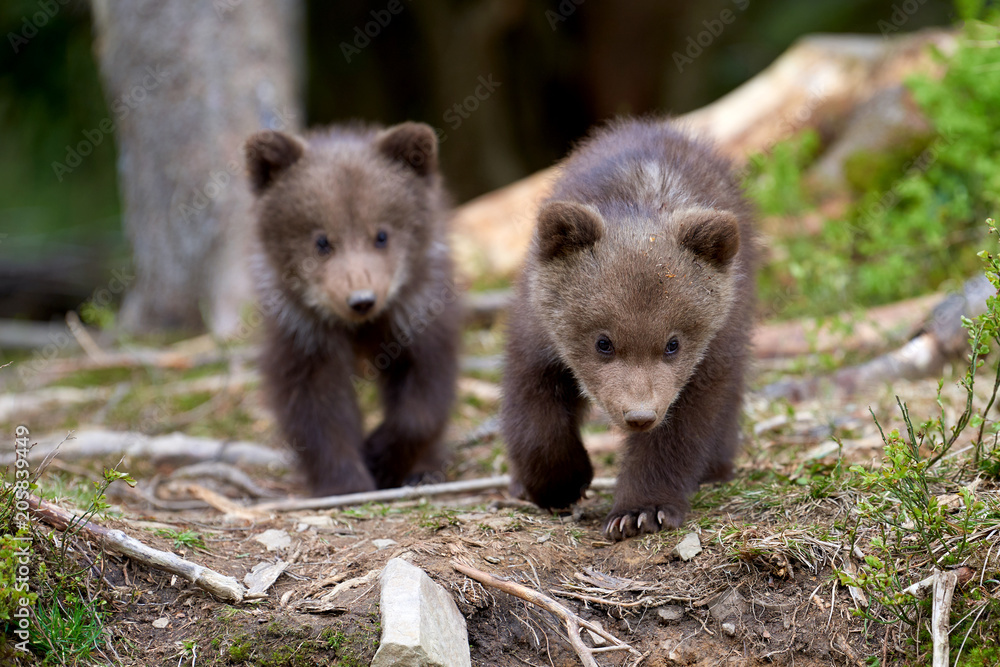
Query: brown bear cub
[(637, 294), (354, 278)]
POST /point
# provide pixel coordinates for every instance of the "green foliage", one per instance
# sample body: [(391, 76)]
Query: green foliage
[(774, 180), (913, 512), (10, 592), (96, 315), (184, 538), (67, 617), (913, 223)]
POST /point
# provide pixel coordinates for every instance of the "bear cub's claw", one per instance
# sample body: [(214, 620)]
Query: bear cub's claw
[(620, 525)]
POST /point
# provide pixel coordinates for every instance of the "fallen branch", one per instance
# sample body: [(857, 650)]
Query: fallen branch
[(941, 339), (573, 622), (219, 585), (920, 589), (944, 587), (175, 449), (403, 493), (820, 79)]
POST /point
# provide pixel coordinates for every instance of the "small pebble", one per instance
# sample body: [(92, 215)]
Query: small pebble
[(670, 613)]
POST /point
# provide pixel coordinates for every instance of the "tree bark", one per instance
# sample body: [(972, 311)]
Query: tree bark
[(187, 82)]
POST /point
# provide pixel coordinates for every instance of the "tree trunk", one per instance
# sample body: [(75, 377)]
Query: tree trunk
[(187, 82)]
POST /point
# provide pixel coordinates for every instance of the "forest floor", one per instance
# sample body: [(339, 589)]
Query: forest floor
[(765, 588)]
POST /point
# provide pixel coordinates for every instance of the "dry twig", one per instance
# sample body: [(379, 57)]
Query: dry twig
[(573, 622), (219, 585), (404, 493)]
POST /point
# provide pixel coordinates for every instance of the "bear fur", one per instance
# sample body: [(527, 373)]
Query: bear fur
[(637, 294), (354, 277)]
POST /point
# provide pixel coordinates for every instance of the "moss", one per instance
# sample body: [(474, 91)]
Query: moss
[(99, 377)]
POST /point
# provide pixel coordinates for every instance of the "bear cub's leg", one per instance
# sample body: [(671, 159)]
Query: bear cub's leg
[(417, 392), (314, 403), (540, 421)]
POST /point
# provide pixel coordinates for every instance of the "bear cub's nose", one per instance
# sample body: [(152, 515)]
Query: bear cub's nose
[(361, 301), (640, 419)]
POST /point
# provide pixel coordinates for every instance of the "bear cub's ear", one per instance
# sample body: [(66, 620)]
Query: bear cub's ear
[(566, 227), (413, 144), (709, 234), (268, 154)]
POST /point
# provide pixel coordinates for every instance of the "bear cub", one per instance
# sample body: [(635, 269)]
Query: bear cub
[(354, 278), (637, 294)]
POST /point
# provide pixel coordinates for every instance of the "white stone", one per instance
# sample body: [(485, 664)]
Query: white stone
[(688, 547), (161, 622), (421, 626), (274, 539), (384, 544)]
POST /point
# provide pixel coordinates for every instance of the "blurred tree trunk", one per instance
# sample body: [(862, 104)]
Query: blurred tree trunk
[(187, 81)]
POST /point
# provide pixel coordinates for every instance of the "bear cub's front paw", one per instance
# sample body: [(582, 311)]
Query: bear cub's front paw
[(624, 523), (554, 488)]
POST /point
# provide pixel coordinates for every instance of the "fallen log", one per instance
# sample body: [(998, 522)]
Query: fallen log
[(815, 83), (942, 339), (175, 448)]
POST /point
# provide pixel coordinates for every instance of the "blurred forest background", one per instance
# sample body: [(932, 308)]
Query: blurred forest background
[(558, 68)]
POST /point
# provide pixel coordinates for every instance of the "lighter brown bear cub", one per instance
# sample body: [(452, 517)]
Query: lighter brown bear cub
[(637, 294), (354, 279)]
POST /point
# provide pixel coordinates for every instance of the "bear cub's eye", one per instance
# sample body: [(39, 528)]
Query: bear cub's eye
[(323, 245), (381, 239), (604, 346), (672, 346)]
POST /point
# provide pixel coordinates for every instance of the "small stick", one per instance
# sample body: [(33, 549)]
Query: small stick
[(572, 621), (83, 337), (404, 493), (920, 589), (944, 587), (219, 585)]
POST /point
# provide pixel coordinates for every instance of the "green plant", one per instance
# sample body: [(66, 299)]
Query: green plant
[(67, 622), (913, 221), (913, 511), (184, 538)]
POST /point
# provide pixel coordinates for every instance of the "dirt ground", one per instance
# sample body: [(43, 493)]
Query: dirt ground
[(763, 590)]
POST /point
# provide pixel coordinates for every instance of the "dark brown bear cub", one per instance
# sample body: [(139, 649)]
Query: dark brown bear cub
[(637, 294), (354, 277)]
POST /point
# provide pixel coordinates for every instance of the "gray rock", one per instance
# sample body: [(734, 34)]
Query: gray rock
[(728, 606), (670, 613), (384, 543), (729, 628), (688, 547), (421, 626)]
